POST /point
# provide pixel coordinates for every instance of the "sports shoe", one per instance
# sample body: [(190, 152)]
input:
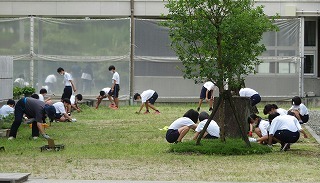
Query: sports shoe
[(147, 112), (157, 112), (252, 139), (73, 120), (111, 105), (11, 138), (114, 107), (35, 138)]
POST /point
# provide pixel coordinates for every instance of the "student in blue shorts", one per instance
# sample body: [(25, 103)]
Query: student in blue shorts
[(115, 88)]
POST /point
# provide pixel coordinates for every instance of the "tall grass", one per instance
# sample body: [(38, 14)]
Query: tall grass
[(119, 144)]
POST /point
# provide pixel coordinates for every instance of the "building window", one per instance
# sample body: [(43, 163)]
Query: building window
[(310, 28), (309, 64)]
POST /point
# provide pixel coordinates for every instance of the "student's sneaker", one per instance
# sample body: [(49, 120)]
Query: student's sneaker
[(35, 138), (114, 107), (73, 120), (111, 105), (147, 112), (11, 138), (157, 112)]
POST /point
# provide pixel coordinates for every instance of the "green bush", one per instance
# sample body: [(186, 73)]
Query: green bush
[(28, 91), (17, 92), (210, 147), (6, 122)]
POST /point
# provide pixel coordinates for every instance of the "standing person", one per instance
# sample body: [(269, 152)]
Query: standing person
[(284, 129), (252, 94), (51, 81), (148, 98), (261, 129), (32, 108), (7, 109), (207, 94), (115, 88), (61, 114), (180, 127), (213, 130), (68, 83), (104, 94), (300, 110)]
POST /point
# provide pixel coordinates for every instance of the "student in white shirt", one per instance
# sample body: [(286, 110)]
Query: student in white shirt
[(284, 129), (148, 98), (74, 103), (300, 110), (104, 94), (262, 127), (68, 84), (273, 108), (61, 114), (180, 127), (207, 94), (250, 93), (43, 92), (7, 109), (115, 88), (213, 130)]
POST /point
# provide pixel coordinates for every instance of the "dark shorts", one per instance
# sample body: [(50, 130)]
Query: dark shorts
[(172, 135), (58, 115), (255, 99), (287, 136), (153, 99), (67, 92), (115, 92), (203, 93), (208, 136), (304, 118)]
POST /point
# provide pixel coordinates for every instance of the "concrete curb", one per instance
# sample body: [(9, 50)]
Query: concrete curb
[(313, 133)]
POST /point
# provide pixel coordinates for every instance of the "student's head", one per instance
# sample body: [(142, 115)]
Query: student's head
[(60, 70), (11, 103), (291, 112), (269, 108), (66, 101), (50, 110), (272, 116), (43, 91), (252, 118), (203, 115), (192, 114), (36, 96), (112, 68), (79, 97), (136, 96), (296, 100), (102, 93)]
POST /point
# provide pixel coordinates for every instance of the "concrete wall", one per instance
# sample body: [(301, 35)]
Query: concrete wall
[(6, 76)]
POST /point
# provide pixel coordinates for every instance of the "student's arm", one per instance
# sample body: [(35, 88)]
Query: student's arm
[(262, 139), (67, 116), (113, 84), (304, 133), (207, 93), (74, 106), (141, 107), (195, 137), (73, 86)]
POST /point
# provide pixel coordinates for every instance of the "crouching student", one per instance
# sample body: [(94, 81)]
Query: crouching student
[(104, 94), (74, 103), (148, 98), (300, 110), (284, 129), (180, 127), (213, 130), (261, 128), (61, 114)]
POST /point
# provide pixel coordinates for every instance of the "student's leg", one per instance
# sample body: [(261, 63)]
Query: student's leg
[(258, 132), (98, 102), (35, 129), (18, 115), (183, 131), (202, 96)]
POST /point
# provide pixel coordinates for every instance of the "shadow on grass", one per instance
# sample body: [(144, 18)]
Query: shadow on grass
[(216, 147)]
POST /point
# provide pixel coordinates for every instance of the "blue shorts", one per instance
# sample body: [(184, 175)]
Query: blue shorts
[(203, 93), (287, 136), (58, 115), (153, 99), (115, 92), (172, 135), (67, 92), (208, 136)]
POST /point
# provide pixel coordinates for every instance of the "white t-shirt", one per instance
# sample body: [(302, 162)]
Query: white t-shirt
[(67, 78), (284, 122), (116, 77), (209, 85), (247, 92), (213, 128), (72, 99), (51, 79), (41, 98), (180, 122), (264, 127), (282, 111), (106, 90), (303, 110), (146, 95), (59, 107), (5, 110)]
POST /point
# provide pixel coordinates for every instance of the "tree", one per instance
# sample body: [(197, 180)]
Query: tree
[(217, 40)]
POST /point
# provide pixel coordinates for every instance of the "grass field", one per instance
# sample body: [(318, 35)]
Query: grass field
[(119, 144)]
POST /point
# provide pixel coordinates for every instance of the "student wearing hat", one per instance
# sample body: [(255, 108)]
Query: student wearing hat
[(148, 98), (32, 108)]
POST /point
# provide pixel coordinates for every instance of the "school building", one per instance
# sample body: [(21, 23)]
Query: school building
[(38, 36)]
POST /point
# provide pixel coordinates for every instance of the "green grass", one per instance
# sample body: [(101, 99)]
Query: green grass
[(119, 144)]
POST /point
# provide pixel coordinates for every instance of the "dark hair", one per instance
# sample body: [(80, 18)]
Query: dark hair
[(102, 93), (11, 102), (66, 100), (43, 90), (60, 69), (192, 114), (272, 116), (203, 115), (269, 107), (36, 96), (111, 67), (135, 96), (296, 100), (79, 97), (252, 117), (291, 113)]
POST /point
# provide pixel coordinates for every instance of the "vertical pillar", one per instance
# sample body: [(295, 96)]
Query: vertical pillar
[(31, 51), (301, 63), (131, 52)]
